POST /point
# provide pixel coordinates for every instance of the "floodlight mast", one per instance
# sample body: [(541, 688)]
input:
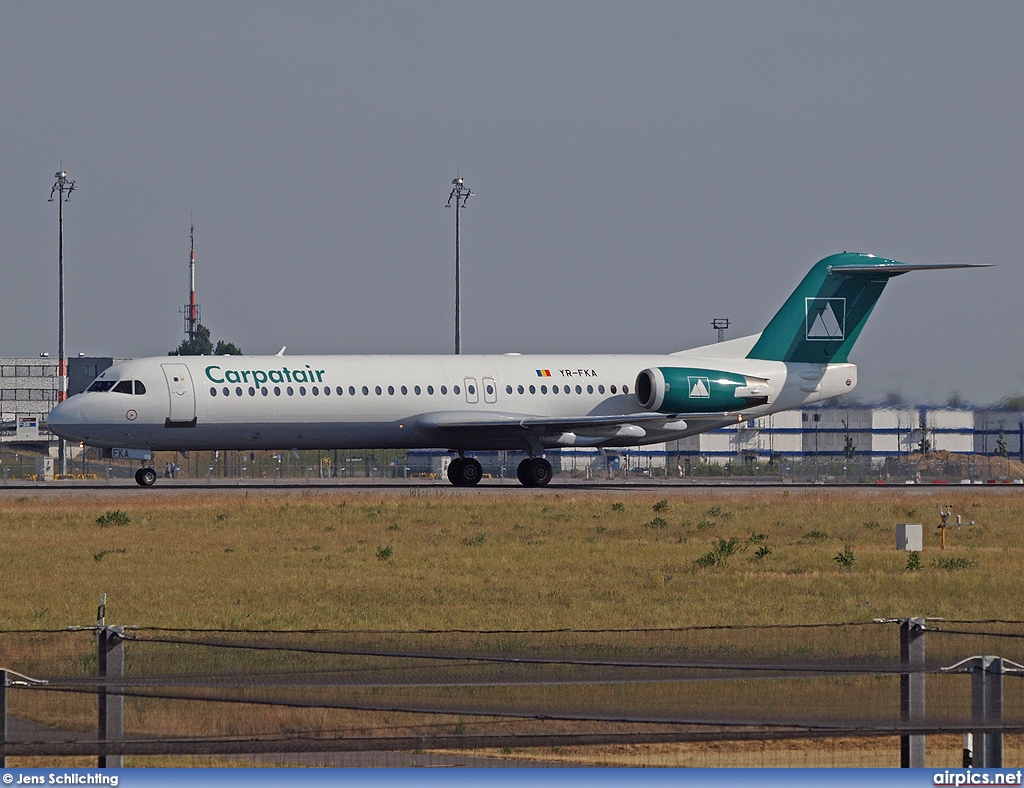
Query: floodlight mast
[(720, 324), (460, 193), (63, 185)]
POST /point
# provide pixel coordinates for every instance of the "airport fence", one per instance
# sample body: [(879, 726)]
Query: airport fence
[(856, 693)]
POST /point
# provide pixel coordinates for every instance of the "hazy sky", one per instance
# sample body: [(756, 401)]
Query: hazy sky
[(639, 169)]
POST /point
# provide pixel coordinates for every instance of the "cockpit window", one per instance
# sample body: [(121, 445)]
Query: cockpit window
[(124, 387), (139, 387), (101, 385)]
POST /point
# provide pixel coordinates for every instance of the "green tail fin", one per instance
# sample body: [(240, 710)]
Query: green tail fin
[(822, 319)]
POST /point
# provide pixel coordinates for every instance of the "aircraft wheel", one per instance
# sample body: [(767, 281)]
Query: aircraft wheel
[(146, 477), (540, 471), (523, 473), (455, 471), (472, 472)]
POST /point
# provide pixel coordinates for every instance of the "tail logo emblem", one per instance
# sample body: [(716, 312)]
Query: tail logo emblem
[(825, 319), (700, 388)]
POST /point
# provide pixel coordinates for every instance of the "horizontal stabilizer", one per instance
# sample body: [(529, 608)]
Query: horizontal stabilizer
[(894, 269)]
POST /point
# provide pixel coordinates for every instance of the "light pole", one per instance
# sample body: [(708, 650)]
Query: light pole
[(460, 193), (62, 185)]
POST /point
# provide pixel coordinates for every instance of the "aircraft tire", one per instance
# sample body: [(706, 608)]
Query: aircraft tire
[(472, 472), (146, 477), (455, 471), (523, 473), (540, 472)]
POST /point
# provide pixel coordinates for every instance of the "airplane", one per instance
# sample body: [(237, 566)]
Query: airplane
[(468, 403)]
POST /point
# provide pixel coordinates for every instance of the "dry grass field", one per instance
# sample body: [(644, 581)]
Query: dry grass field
[(502, 560), (343, 560)]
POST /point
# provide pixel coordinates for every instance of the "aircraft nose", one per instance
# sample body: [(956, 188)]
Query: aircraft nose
[(66, 419)]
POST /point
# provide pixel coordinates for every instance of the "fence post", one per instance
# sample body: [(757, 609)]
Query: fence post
[(110, 645), (987, 709), (3, 718), (912, 708)]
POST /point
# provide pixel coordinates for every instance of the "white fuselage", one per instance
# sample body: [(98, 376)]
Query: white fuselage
[(308, 402)]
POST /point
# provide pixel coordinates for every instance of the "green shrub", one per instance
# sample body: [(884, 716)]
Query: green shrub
[(114, 517), (384, 553), (845, 559), (955, 564), (913, 561)]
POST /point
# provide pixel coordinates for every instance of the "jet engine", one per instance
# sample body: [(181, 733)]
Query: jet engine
[(691, 390)]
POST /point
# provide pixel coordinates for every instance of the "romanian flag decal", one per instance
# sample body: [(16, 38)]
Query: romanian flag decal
[(543, 373)]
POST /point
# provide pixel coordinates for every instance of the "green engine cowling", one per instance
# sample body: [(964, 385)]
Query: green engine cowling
[(692, 390)]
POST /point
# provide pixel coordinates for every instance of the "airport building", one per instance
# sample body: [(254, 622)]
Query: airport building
[(28, 392)]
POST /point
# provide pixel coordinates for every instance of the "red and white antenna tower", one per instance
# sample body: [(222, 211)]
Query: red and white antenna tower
[(191, 310)]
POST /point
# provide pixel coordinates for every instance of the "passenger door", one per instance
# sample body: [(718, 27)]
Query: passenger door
[(182, 394), (472, 392)]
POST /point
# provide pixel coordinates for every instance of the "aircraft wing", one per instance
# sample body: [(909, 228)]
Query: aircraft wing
[(525, 424)]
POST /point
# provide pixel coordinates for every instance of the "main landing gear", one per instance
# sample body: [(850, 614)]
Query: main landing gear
[(534, 472), (146, 477), (464, 471)]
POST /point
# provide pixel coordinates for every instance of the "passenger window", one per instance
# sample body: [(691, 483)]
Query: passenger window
[(327, 391), (455, 389), (472, 389), (520, 388), (543, 389), (366, 392), (417, 390), (213, 391), (444, 389), (291, 391), (264, 391), (430, 390), (590, 389), (508, 389), (554, 389), (227, 391), (378, 390), (625, 389), (123, 387), (140, 388), (612, 389), (600, 389), (490, 389), (579, 389), (533, 389), (277, 391), (391, 390), (302, 391), (316, 391), (238, 390), (252, 391), (405, 390)]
